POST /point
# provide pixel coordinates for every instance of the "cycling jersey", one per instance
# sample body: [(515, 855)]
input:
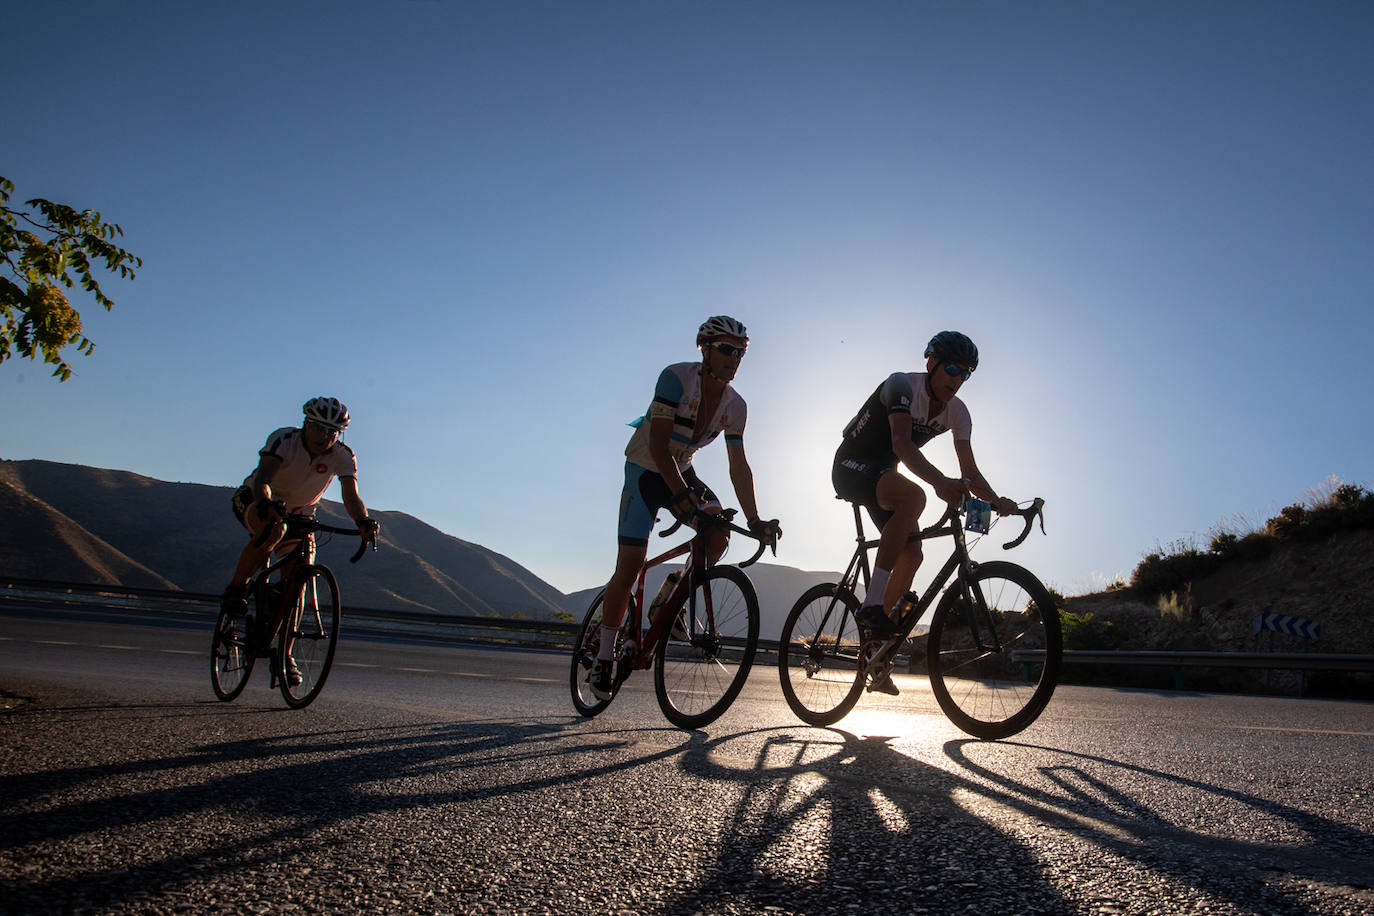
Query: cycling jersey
[(866, 454), (677, 397), (869, 435), (302, 480)]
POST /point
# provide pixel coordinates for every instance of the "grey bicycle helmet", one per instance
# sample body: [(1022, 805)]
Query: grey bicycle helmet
[(721, 326), (953, 346), (328, 412)]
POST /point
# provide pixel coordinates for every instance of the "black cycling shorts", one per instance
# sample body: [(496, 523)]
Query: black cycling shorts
[(644, 493), (856, 477)]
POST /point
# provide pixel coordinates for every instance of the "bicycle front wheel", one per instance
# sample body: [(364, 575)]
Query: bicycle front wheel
[(585, 653), (702, 660), (818, 655), (231, 655), (309, 636), (994, 669)]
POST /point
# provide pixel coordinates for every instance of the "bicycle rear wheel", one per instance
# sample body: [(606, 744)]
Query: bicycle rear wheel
[(231, 656), (700, 665), (585, 652), (309, 636), (818, 655), (993, 673)]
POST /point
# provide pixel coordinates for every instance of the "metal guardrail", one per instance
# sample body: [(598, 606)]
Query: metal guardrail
[(1272, 661), (490, 629)]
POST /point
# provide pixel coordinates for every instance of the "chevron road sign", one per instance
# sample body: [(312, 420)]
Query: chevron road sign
[(1293, 626)]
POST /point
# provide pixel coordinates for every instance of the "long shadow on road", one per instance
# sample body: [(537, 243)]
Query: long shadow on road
[(428, 816)]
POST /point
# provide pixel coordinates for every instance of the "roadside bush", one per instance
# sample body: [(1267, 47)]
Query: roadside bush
[(1224, 543), (1086, 631), (1332, 508), (1158, 574), (1287, 522)]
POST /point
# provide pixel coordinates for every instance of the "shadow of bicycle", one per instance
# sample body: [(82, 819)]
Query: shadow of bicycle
[(828, 812), (562, 814)]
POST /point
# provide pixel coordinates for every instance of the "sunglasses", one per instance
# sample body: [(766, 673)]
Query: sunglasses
[(725, 349), (322, 428), (958, 371)]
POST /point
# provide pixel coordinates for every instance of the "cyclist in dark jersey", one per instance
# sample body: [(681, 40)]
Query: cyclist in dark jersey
[(904, 413)]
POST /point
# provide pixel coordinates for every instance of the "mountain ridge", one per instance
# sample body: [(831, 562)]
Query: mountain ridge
[(76, 523)]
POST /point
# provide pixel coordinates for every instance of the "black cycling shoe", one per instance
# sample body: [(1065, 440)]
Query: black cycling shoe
[(234, 602), (883, 684), (877, 624)]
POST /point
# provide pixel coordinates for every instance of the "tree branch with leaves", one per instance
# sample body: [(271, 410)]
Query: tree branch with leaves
[(45, 247)]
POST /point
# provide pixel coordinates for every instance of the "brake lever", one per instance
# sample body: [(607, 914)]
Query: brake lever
[(1035, 510)]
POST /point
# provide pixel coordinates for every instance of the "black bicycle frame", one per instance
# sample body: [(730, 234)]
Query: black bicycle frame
[(975, 603)]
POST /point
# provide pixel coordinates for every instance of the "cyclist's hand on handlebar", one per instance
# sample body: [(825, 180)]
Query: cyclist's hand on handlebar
[(952, 490), (766, 531), (1004, 506), (269, 507), (684, 505), (369, 528)]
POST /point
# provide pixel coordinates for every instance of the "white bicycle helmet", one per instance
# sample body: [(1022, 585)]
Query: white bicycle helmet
[(721, 326), (328, 412)]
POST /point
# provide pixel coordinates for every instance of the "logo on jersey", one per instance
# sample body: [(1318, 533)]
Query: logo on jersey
[(321, 468)]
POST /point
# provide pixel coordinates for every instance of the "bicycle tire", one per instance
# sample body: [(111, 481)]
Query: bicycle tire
[(818, 655), (231, 656), (585, 651), (696, 678), (309, 635), (987, 693)]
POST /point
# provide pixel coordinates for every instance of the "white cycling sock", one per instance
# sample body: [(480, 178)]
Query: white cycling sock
[(876, 586), (606, 651)]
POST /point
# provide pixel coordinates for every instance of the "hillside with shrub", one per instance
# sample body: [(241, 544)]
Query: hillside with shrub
[(1314, 561)]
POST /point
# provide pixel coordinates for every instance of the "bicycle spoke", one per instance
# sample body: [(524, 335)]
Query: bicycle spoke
[(702, 661), (310, 637), (818, 656), (980, 674)]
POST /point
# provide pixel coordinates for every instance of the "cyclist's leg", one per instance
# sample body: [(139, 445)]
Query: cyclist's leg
[(902, 501), (264, 534), (644, 493), (641, 497), (718, 538), (628, 560)]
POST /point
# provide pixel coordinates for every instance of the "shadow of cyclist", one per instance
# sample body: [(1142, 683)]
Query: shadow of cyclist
[(824, 812)]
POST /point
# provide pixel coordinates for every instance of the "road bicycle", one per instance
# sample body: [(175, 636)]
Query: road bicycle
[(989, 611), (295, 621), (700, 641)]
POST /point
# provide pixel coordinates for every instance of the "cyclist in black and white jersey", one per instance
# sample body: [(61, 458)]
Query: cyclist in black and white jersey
[(693, 404), (904, 413)]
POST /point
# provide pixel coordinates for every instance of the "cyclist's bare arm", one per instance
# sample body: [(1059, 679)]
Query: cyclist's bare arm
[(742, 478), (978, 484), (268, 466), (947, 488), (353, 503), (660, 437)]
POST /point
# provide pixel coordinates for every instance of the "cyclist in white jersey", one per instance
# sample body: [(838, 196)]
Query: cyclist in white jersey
[(295, 467), (905, 412), (693, 404)]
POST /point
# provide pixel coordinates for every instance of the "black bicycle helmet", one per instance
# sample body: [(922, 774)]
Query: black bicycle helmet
[(952, 345)]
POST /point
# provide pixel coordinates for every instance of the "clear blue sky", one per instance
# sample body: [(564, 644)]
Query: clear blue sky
[(487, 226)]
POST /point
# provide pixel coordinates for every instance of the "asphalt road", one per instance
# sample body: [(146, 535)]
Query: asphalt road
[(432, 778)]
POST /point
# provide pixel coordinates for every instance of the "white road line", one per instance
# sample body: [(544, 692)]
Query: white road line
[(472, 674)]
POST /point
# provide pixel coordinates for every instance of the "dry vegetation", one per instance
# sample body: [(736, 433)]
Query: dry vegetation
[(1313, 560)]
